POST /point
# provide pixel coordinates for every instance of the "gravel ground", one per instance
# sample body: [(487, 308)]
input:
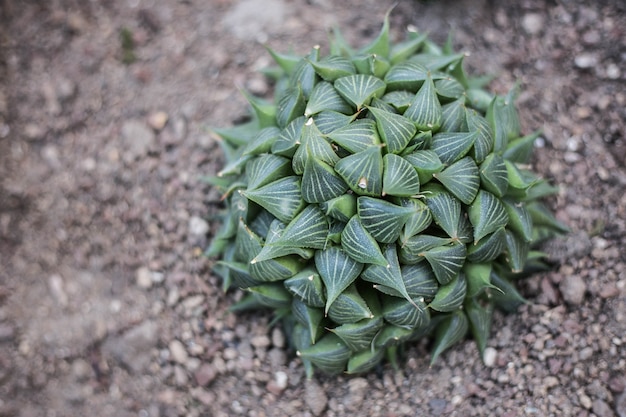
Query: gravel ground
[(107, 307)]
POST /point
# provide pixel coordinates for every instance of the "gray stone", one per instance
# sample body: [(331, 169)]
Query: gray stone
[(315, 397), (198, 226), (133, 347), (178, 352), (620, 405), (137, 138), (532, 23), (573, 289)]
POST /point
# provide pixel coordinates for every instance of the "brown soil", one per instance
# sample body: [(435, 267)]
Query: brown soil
[(107, 307)]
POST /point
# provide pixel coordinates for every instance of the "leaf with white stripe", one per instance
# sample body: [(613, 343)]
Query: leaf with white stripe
[(425, 110), (426, 162), (290, 106), (461, 179), (360, 245), (349, 307), (494, 175), (359, 89), (484, 134), (399, 177), (480, 318), (333, 67), (409, 76), (453, 116), (517, 251), (320, 182), (382, 219), (450, 331), (265, 169), (452, 146), (450, 297), (325, 97), (307, 286), (489, 247), (330, 354), (289, 138), (282, 198), (487, 214), (363, 171), (357, 136), (315, 145), (388, 276), (520, 220), (310, 317), (337, 271), (395, 130), (445, 209), (446, 261), (358, 336), (419, 220), (328, 121)]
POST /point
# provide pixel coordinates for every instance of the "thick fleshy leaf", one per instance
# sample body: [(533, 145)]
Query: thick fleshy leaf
[(395, 130), (290, 106), (304, 74), (359, 89), (360, 245), (399, 177), (325, 97), (313, 145), (484, 134), (400, 312), (452, 146), (445, 209), (507, 298), (239, 273), (266, 169), (391, 335), (264, 110), (341, 208), (449, 88), (520, 180), (307, 286), (277, 269), (337, 270), (409, 76), (453, 116), (450, 297), (520, 220), (287, 62), (450, 331), (381, 45), (520, 149), (419, 220), (382, 219), (364, 361), (419, 280), (282, 198), (235, 167), (446, 261), (403, 50), (388, 276), (544, 218), (289, 138), (357, 136), (425, 110), (487, 214), (426, 162), (489, 247), (330, 354), (332, 67), (308, 229), (328, 121), (517, 251), (320, 182), (437, 61), (358, 336), (262, 142), (371, 64), (261, 223), (461, 179), (502, 118), (478, 278), (336, 228), (494, 175), (273, 295), (349, 307), (480, 318), (411, 251), (400, 100), (309, 317), (363, 171)]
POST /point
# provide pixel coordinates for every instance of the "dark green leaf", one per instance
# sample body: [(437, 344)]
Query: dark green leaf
[(480, 318), (307, 286), (450, 331), (325, 97), (282, 198), (266, 169), (445, 209), (425, 110), (461, 179), (450, 297), (309, 317), (520, 149), (320, 182), (358, 336), (337, 270), (341, 208), (289, 138), (382, 219), (411, 251), (403, 50), (349, 307), (446, 261), (290, 106), (313, 145), (388, 276), (478, 278), (395, 130), (400, 312), (494, 175), (333, 67), (399, 177), (380, 45), (426, 162), (452, 146), (364, 361), (419, 280), (328, 121), (487, 214), (273, 295), (262, 142), (400, 100), (329, 354), (489, 247), (359, 89), (360, 245), (520, 220), (449, 88), (453, 116), (408, 76), (517, 251), (507, 298), (484, 134), (363, 171), (419, 220), (357, 136)]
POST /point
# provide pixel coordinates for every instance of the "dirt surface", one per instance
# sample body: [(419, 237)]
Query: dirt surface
[(107, 307)]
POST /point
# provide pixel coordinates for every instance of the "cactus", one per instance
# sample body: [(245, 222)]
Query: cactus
[(382, 197)]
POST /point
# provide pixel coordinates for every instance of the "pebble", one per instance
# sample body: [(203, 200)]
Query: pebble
[(585, 401), (315, 397), (7, 332), (178, 352), (532, 23), (138, 139), (601, 409), (198, 226), (260, 342), (489, 357), (573, 289), (143, 277), (620, 405), (205, 374), (586, 60), (158, 120), (55, 283), (278, 338), (278, 384)]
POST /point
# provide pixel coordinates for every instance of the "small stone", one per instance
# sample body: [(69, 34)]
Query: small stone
[(489, 357), (278, 338), (7, 332), (81, 370), (315, 397), (137, 138), (143, 277), (620, 405), (198, 226), (205, 374), (609, 290), (532, 23), (613, 72), (132, 347), (586, 60), (158, 120), (205, 397), (260, 342), (57, 290), (601, 409), (178, 352), (180, 376), (617, 384), (573, 289), (585, 401), (278, 384)]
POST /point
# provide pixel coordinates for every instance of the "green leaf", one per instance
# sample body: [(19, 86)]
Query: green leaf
[(453, 116), (411, 251), (517, 251), (341, 208), (357, 136), (265, 169), (446, 261), (363, 171), (450, 297), (489, 247), (349, 307), (307, 286), (520, 150), (480, 319), (400, 312), (401, 51), (450, 331), (425, 110), (391, 335), (313, 145), (309, 317), (325, 97), (329, 354), (304, 74), (461, 179), (400, 100), (290, 106), (520, 220), (265, 111), (289, 138), (358, 336), (542, 217), (520, 181), (494, 175), (478, 276), (426, 162), (262, 141), (360, 245), (371, 64), (419, 220), (382, 219), (359, 89), (452, 146), (380, 45), (287, 62), (507, 298), (337, 270), (320, 182), (282, 198), (504, 121), (307, 230), (419, 280), (273, 295), (238, 273), (409, 76), (478, 98), (332, 67), (388, 276), (487, 214), (445, 209), (449, 88), (484, 134), (436, 62), (399, 177), (364, 361), (395, 130), (328, 121)]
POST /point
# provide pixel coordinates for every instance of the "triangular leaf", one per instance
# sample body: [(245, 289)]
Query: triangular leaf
[(262, 142), (520, 150), (264, 110), (307, 286), (480, 319), (419, 220), (388, 276), (363, 171), (382, 219), (450, 331), (520, 220), (425, 110), (419, 280), (517, 251), (400, 312), (426, 162), (450, 297), (287, 62), (357, 136), (409, 76), (273, 295), (381, 44), (337, 270), (341, 208), (360, 245), (403, 50), (282, 198), (446, 261), (395, 130), (320, 182), (330, 354), (449, 88), (290, 106), (461, 179), (487, 214), (289, 138), (349, 307), (364, 361), (359, 89), (445, 209), (412, 249), (332, 67), (266, 169), (507, 297), (452, 146), (399, 177), (309, 317), (494, 175), (304, 74), (325, 97), (313, 145), (478, 276), (358, 336), (484, 134), (489, 247), (453, 116), (328, 121)]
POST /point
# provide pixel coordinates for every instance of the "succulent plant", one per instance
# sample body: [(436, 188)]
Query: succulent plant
[(382, 197)]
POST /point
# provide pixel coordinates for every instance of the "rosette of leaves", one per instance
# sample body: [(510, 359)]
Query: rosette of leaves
[(382, 197)]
